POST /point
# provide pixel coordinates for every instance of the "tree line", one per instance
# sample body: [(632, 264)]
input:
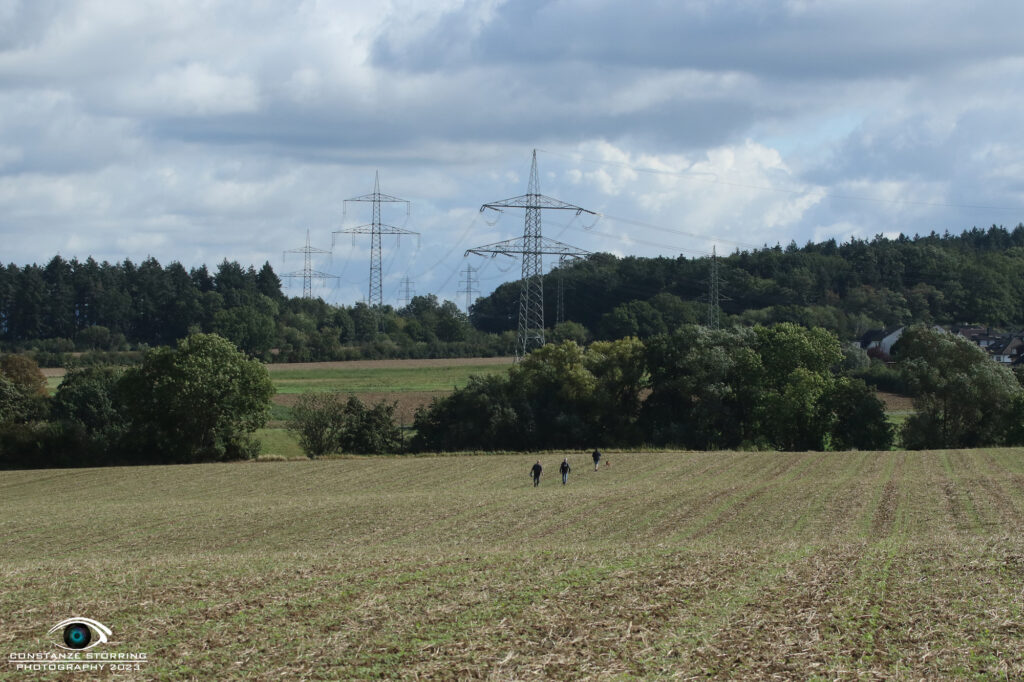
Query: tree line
[(847, 288), (781, 387), (100, 308), (198, 401)]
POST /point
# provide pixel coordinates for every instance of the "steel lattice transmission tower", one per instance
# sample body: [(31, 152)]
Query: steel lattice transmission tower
[(406, 292), (308, 274), (714, 295), (375, 228), (470, 285), (560, 307), (531, 246)]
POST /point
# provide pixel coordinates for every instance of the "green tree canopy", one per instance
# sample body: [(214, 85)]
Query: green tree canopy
[(962, 398), (199, 401)]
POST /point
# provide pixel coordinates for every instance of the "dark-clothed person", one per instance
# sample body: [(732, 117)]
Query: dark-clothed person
[(597, 458), (565, 469), (535, 472)]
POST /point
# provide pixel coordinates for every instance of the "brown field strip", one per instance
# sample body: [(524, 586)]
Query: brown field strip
[(417, 363)]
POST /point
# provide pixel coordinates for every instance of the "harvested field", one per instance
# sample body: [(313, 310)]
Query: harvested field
[(390, 364), (663, 565), (408, 401), (379, 379), (896, 403), (355, 364)]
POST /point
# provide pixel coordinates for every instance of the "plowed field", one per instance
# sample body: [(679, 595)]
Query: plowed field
[(662, 565)]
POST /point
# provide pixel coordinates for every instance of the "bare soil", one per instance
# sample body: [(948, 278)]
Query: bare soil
[(388, 364), (895, 402), (408, 401), (354, 364)]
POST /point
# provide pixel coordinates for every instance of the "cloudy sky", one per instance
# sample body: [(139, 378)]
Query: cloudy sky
[(202, 130)]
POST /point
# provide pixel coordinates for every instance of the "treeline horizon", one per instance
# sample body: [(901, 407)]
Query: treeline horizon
[(71, 305), (848, 288)]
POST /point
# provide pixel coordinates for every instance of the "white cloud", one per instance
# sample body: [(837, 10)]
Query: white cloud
[(200, 131), (195, 89)]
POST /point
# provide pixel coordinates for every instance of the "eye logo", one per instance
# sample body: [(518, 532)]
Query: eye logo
[(79, 633)]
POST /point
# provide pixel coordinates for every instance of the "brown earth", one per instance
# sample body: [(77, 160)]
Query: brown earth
[(388, 364), (408, 401), (896, 403), (354, 364)]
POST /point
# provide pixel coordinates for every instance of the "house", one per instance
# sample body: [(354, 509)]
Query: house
[(871, 338), (1009, 350), (983, 336), (884, 340)]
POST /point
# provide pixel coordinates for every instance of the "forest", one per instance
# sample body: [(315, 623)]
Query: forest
[(106, 309), (849, 289)]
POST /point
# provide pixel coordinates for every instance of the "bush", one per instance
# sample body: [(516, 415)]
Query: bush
[(318, 420), (324, 424)]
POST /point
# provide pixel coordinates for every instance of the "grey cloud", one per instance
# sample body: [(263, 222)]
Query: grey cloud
[(97, 154), (25, 22), (774, 40)]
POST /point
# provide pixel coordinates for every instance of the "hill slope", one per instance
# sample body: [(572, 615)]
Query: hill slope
[(734, 564)]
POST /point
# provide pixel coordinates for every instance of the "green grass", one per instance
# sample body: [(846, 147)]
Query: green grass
[(280, 443), (280, 413), (382, 379), (729, 565), (896, 418)]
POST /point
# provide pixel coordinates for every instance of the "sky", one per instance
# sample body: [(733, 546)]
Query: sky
[(202, 130)]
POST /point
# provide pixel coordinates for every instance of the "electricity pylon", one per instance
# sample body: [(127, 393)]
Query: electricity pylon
[(715, 296), (406, 297), (531, 246), (375, 229), (470, 284), (560, 307), (308, 274)]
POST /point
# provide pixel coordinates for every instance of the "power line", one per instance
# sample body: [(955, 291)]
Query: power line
[(715, 180)]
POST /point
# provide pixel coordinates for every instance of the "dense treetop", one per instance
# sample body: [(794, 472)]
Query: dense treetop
[(847, 288)]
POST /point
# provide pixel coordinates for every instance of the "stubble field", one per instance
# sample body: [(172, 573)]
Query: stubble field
[(662, 565), (409, 383)]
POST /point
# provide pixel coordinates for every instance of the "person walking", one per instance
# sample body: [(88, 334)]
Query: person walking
[(535, 472), (565, 469), (597, 458)]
